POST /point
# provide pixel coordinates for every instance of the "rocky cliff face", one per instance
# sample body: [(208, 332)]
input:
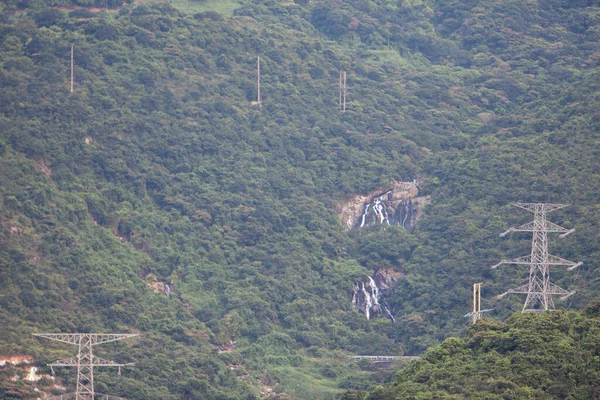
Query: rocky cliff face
[(367, 299), (386, 278), (397, 204), (158, 287)]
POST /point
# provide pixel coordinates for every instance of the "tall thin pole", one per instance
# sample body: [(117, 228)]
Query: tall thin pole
[(477, 311), (474, 303), (340, 90), (479, 300), (345, 89), (72, 64), (259, 101)]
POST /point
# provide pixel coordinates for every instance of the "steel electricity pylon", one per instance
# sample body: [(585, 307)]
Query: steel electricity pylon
[(85, 360), (539, 288)]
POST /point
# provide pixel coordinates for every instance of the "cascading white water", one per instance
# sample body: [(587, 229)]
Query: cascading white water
[(364, 216), (368, 301), (387, 310), (377, 207), (374, 291), (406, 210), (366, 298)]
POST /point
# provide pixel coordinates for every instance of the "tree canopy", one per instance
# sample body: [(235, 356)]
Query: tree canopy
[(158, 172)]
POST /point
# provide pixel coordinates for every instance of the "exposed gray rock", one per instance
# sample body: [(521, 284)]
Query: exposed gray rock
[(368, 300), (397, 204)]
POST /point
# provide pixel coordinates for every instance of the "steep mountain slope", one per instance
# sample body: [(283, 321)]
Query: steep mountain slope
[(158, 172)]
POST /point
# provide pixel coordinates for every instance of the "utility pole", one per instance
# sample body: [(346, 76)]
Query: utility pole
[(340, 90), (539, 288), (72, 65), (258, 100), (343, 90), (85, 360), (476, 302), (477, 311)]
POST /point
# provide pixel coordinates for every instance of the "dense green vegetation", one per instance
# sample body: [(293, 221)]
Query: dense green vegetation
[(531, 356), (159, 165)]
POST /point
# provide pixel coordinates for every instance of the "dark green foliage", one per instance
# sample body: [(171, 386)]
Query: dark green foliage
[(158, 166), (48, 17), (547, 356)]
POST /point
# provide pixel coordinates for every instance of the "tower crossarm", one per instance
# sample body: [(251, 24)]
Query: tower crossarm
[(70, 338), (554, 260), (553, 289), (546, 207), (97, 362), (519, 260), (551, 260), (95, 338), (519, 290), (547, 227), (97, 396), (525, 290), (105, 338), (66, 362)]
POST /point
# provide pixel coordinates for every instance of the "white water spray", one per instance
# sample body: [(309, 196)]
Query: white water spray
[(378, 208), (366, 298)]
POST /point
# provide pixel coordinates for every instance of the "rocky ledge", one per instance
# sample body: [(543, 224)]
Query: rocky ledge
[(397, 204)]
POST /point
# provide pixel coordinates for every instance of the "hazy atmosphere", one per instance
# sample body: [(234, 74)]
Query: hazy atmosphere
[(300, 199)]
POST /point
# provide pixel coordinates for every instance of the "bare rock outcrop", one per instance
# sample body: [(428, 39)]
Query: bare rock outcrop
[(386, 278), (397, 204), (17, 359), (157, 286)]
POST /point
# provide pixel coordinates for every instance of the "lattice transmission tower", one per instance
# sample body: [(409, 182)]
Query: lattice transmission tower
[(539, 288), (85, 360)]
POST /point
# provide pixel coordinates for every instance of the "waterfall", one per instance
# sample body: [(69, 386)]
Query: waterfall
[(367, 297), (379, 208), (387, 310), (364, 215), (406, 212), (368, 302), (374, 291)]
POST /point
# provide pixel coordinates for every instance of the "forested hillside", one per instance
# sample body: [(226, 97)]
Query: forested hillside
[(546, 356), (156, 198)]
